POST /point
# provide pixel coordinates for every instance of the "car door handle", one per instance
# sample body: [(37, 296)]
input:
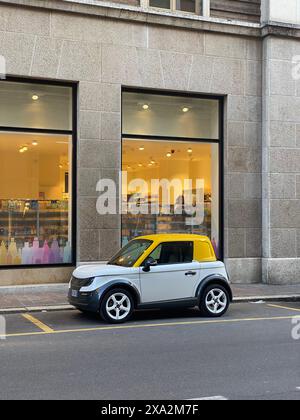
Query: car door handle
[(190, 273)]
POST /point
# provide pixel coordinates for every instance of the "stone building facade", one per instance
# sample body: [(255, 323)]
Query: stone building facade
[(232, 51)]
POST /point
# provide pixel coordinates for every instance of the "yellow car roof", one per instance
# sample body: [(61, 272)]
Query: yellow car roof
[(203, 251), (160, 237)]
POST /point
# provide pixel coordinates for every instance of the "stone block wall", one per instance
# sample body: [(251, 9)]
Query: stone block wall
[(281, 162), (103, 55)]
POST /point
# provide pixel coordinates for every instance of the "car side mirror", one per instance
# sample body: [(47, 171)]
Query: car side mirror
[(150, 262)]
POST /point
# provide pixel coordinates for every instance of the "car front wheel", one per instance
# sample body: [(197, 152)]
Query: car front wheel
[(117, 306), (214, 301)]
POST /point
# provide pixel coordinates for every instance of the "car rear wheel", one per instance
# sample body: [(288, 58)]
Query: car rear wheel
[(117, 306), (214, 301)]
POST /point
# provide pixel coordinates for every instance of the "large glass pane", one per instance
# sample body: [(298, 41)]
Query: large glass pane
[(35, 199), (162, 4), (191, 204), (186, 5), (27, 105), (171, 116)]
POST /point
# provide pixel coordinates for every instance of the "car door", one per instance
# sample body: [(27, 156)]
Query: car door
[(174, 277)]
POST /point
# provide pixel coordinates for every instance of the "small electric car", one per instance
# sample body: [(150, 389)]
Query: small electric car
[(157, 271)]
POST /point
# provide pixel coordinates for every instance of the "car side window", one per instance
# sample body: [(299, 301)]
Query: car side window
[(173, 253), (156, 253)]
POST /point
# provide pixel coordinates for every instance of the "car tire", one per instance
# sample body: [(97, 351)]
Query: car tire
[(214, 301), (117, 306)]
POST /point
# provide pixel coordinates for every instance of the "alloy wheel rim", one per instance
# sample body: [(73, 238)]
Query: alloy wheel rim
[(118, 306), (216, 301)]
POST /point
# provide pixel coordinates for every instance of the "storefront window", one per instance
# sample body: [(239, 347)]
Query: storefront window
[(35, 177), (189, 167), (28, 105), (163, 115)]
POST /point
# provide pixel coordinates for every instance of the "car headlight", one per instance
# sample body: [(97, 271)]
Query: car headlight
[(78, 283)]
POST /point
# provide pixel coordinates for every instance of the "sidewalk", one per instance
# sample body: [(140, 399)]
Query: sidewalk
[(54, 297), (34, 298), (246, 292)]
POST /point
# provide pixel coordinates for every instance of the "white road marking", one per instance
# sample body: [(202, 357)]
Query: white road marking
[(216, 398)]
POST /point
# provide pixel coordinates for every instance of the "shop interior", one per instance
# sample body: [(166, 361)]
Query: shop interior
[(172, 138), (153, 159), (35, 198)]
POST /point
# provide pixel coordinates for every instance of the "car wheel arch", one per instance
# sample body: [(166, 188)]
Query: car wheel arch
[(121, 284), (213, 280)]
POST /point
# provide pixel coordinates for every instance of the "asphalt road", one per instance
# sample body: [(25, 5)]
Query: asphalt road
[(249, 354)]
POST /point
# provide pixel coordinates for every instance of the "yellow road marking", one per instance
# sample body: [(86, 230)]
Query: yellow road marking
[(38, 323), (139, 326), (284, 307)]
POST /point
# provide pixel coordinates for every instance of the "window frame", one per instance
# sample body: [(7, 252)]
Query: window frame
[(74, 135), (219, 142), (199, 11), (171, 242)]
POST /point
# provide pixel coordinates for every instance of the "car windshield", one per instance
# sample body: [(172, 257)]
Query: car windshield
[(131, 252)]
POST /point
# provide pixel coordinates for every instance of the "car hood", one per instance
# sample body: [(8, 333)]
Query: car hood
[(96, 270)]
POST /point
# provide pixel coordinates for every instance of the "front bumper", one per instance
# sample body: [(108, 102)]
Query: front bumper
[(87, 302)]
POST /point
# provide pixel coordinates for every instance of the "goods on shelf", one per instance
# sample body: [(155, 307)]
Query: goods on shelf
[(146, 224), (34, 232)]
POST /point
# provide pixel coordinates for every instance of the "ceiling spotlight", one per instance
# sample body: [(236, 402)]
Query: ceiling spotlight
[(185, 109), (35, 97), (21, 150), (190, 150), (140, 165), (141, 148), (145, 107), (25, 148), (34, 143), (152, 161), (169, 154)]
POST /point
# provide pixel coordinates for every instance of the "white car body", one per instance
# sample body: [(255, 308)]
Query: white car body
[(156, 271), (162, 283)]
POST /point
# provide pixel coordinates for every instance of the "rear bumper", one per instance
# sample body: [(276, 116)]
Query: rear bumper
[(89, 303)]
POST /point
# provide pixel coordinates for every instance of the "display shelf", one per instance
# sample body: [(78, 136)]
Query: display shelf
[(137, 225), (26, 219)]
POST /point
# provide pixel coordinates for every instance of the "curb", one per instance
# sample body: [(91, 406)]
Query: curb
[(63, 307), (49, 308), (276, 298), (32, 288)]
